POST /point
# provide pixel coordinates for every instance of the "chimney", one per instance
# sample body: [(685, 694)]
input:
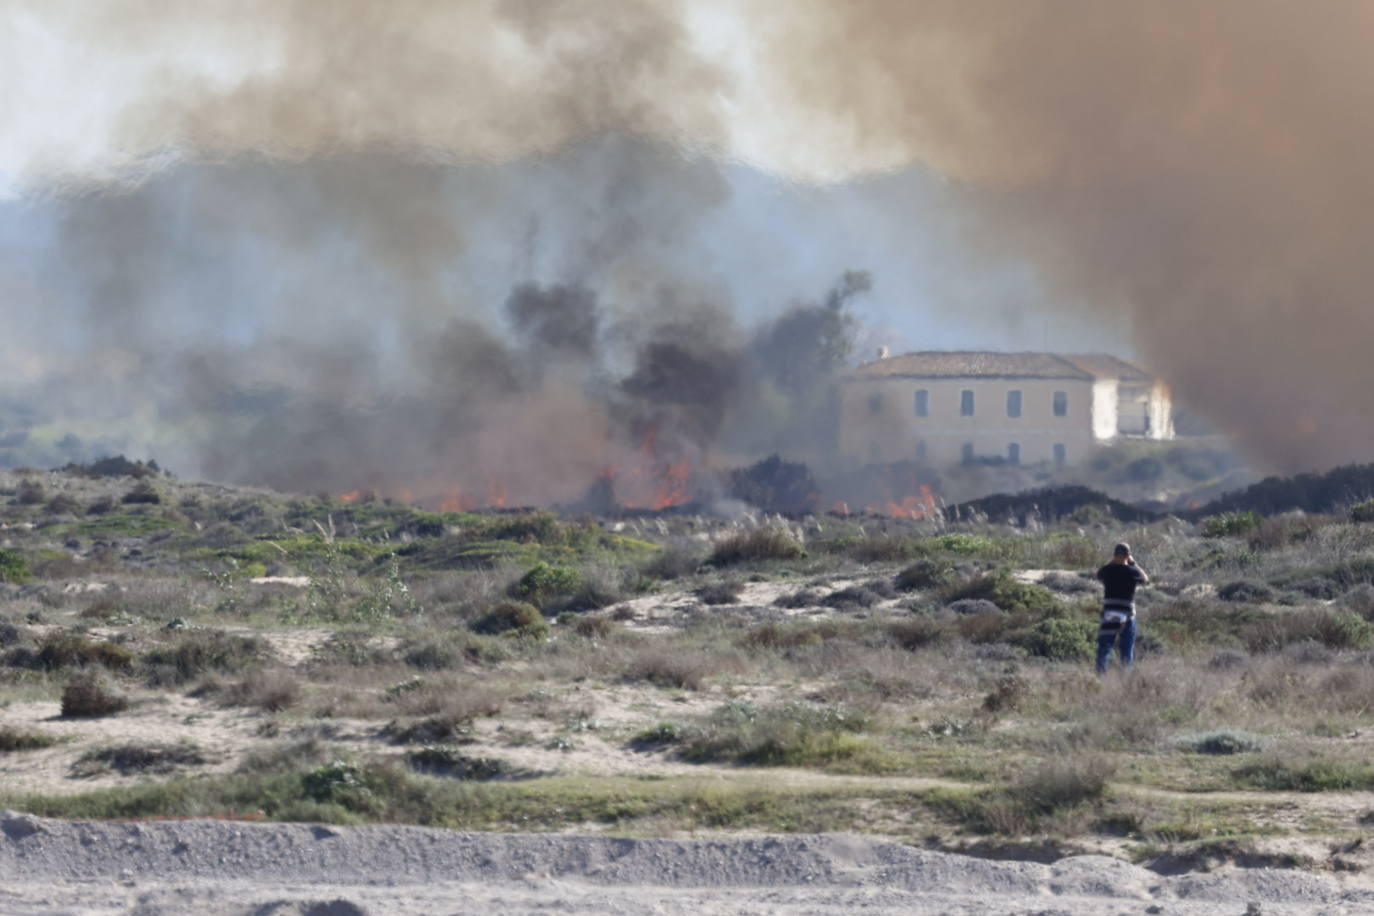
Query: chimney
[(884, 353)]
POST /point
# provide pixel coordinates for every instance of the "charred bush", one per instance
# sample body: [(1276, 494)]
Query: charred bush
[(774, 485)]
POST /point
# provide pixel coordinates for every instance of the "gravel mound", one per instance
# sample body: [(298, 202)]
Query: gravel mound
[(221, 867)]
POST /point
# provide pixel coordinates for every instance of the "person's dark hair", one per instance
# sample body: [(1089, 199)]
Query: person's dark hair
[(1122, 550)]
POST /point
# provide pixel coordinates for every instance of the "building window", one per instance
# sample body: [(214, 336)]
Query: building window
[(1014, 403), (875, 403), (966, 403), (922, 402), (967, 452), (1061, 403), (921, 452), (1014, 453), (1061, 455)]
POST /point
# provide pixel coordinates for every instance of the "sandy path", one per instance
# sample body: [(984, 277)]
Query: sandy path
[(218, 867)]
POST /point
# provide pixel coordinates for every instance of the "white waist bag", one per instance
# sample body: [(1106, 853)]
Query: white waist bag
[(1115, 620)]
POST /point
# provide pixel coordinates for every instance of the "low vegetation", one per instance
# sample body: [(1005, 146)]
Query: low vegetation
[(369, 661)]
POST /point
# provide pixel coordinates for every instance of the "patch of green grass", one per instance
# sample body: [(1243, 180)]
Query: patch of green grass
[(791, 734), (348, 793), (125, 524), (13, 567), (1306, 773)]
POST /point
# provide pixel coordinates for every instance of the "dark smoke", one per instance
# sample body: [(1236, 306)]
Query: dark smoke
[(1195, 173)]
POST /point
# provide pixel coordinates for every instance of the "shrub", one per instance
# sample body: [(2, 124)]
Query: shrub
[(544, 583), (145, 492), (1244, 590), (1069, 583), (595, 626), (720, 592), (204, 652), (514, 618), (662, 733), (138, 758), (90, 694), (1005, 591), (683, 668), (791, 734), (13, 738), (924, 574), (272, 691), (967, 607), (446, 760), (855, 596), (72, 651), (13, 567), (1230, 524), (800, 599), (1063, 783), (916, 632), (1360, 600), (1061, 639), (62, 504), (878, 549), (1363, 511), (672, 563), (1222, 742), (333, 782), (1227, 659), (767, 543), (432, 655), (1007, 694), (30, 493)]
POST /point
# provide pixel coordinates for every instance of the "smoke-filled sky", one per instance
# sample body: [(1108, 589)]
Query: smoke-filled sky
[(332, 202)]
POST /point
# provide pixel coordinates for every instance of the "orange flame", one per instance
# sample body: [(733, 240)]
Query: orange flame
[(913, 507)]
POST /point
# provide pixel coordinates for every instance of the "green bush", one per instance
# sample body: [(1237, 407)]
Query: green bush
[(544, 583), (1306, 772), (447, 760), (966, 544), (1062, 639), (768, 543), (337, 781), (1007, 592), (1230, 524), (1362, 512), (13, 567), (514, 618)]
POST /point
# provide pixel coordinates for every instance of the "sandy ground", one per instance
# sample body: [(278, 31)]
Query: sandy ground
[(220, 867)]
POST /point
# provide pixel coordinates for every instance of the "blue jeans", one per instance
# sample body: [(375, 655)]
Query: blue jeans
[(1123, 639)]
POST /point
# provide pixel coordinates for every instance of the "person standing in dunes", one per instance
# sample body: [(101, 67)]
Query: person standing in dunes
[(1119, 580)]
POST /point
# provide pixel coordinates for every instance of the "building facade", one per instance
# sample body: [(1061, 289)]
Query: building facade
[(944, 408)]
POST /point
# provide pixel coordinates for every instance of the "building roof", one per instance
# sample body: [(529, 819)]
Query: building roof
[(973, 364), (1104, 365)]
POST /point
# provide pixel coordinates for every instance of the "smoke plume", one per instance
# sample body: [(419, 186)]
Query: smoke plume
[(1195, 172)]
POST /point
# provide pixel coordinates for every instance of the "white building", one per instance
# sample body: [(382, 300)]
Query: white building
[(946, 407)]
